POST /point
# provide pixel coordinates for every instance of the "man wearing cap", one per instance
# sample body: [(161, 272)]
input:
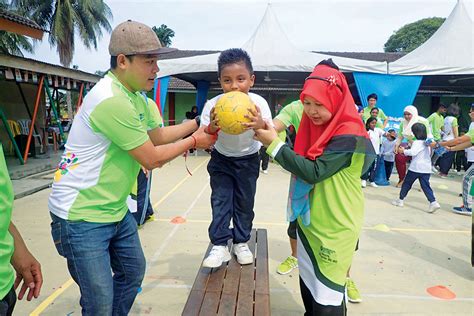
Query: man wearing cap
[(112, 135)]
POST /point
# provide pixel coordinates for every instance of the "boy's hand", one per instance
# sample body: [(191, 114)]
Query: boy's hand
[(255, 116), (203, 139), (266, 136), (214, 125)]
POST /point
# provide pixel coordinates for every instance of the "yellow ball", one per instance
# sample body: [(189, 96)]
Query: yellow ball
[(231, 109)]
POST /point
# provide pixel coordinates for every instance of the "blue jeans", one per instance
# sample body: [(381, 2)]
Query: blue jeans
[(8, 303), (105, 259), (423, 178)]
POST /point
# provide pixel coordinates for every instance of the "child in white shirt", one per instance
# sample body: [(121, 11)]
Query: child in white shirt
[(375, 135), (387, 151), (420, 168)]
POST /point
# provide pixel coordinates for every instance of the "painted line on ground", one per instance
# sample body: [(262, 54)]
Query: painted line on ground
[(296, 292), (38, 310), (421, 230), (165, 243), (179, 184), (52, 297)]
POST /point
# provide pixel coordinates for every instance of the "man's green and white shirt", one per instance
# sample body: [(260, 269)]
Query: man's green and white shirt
[(96, 172)]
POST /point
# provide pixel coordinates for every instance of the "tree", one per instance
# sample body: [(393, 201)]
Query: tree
[(164, 34), (65, 18), (412, 35), (11, 43)]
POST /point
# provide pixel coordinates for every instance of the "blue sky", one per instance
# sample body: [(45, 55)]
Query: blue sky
[(321, 25)]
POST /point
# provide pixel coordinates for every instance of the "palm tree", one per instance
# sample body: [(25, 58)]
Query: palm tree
[(164, 34), (11, 43), (65, 18)]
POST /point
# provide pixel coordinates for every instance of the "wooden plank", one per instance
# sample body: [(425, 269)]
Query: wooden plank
[(210, 304), (196, 296), (262, 304), (247, 283), (262, 284), (230, 291)]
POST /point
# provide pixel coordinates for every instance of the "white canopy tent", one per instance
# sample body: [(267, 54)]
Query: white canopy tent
[(271, 51), (450, 51)]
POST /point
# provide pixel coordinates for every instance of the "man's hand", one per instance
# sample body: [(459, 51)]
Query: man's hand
[(266, 136), (28, 270), (255, 116), (203, 139)]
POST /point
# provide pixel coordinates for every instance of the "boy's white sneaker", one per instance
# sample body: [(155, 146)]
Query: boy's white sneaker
[(243, 253), (433, 207), (397, 202), (216, 257), (373, 185), (363, 183)]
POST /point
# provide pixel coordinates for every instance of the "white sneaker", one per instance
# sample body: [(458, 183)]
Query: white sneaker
[(397, 202), (435, 171), (216, 257), (373, 184), (433, 207), (265, 171), (243, 253), (363, 183)]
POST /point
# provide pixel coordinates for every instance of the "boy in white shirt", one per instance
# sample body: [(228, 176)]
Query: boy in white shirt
[(420, 168), (388, 151), (234, 166)]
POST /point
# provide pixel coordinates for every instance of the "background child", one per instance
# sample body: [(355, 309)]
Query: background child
[(234, 166), (420, 168), (375, 113), (387, 151), (375, 134)]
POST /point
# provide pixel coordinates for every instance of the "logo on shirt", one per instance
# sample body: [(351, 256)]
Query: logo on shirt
[(141, 116), (68, 162)]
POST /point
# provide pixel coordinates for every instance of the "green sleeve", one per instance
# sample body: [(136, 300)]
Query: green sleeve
[(288, 115), (154, 119), (117, 119), (325, 166), (455, 122), (382, 115)]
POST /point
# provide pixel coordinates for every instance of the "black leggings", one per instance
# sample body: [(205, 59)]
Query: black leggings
[(316, 309)]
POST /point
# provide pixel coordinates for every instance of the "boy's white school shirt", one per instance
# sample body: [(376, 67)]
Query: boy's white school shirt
[(421, 157), (237, 145)]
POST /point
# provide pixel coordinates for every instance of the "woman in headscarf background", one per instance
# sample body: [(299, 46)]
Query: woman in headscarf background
[(406, 137), (332, 151)]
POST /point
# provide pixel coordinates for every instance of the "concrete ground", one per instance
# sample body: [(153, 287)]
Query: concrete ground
[(403, 251)]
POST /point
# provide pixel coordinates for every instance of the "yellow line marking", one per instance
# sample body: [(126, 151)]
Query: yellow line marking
[(421, 230), (52, 297), (179, 184), (69, 282)]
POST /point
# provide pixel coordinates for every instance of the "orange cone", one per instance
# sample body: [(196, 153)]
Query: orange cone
[(441, 292)]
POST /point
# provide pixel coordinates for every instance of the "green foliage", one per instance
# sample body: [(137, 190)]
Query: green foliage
[(10, 43), (412, 35), (64, 19), (164, 34)]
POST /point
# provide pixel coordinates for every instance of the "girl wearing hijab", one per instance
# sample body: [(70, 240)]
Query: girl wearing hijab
[(332, 151), (406, 137)]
